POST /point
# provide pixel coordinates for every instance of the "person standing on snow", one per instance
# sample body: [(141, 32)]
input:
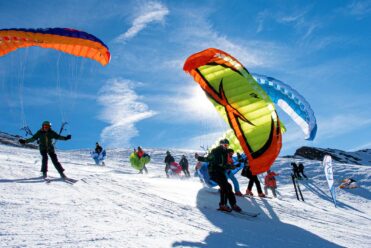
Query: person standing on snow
[(98, 148), (168, 160), (218, 164), (295, 170), (230, 174), (140, 153), (45, 138), (270, 182), (253, 179), (184, 163), (301, 170)]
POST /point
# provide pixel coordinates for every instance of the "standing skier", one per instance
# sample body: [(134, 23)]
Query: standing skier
[(45, 138), (168, 160), (270, 182), (140, 153), (218, 159), (253, 179), (184, 163), (230, 174), (98, 148), (301, 170), (295, 170)]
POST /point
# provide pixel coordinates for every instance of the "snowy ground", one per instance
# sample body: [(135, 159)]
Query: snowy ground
[(113, 206)]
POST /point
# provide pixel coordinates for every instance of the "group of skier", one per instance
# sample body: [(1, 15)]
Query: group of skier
[(174, 168), (220, 166)]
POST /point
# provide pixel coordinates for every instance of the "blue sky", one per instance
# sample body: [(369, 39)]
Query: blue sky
[(143, 97)]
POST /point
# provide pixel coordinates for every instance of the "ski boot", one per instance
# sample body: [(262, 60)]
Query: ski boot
[(236, 208), (45, 175), (238, 193), (224, 208), (249, 193), (261, 195), (63, 176)]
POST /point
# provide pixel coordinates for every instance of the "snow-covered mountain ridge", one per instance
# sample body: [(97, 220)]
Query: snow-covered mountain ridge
[(316, 153), (114, 206), (12, 140)]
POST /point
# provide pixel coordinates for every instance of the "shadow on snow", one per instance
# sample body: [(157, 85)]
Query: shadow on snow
[(266, 230)]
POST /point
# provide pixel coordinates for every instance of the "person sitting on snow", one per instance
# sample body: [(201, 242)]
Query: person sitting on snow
[(45, 138), (348, 183), (270, 182)]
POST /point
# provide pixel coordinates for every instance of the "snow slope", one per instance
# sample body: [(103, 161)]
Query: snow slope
[(114, 206)]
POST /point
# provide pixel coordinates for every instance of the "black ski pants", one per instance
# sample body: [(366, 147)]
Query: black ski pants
[(186, 172), (54, 158), (255, 179), (302, 172), (226, 192)]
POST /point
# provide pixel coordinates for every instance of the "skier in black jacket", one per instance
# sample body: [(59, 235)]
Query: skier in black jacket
[(184, 163), (295, 170), (168, 160), (218, 164), (45, 138), (253, 179), (301, 170)]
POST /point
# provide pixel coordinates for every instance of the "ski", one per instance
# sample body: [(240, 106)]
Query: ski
[(70, 180), (296, 190), (243, 214), (66, 180), (301, 195), (257, 197)]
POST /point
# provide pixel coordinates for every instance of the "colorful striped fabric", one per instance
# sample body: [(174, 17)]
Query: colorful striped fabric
[(241, 102), (67, 40)]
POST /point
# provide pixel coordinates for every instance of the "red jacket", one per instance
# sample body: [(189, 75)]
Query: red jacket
[(140, 153), (270, 180)]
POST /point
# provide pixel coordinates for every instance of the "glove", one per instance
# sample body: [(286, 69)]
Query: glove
[(22, 141), (68, 137)]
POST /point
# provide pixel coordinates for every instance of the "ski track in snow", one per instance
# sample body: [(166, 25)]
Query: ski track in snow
[(114, 206)]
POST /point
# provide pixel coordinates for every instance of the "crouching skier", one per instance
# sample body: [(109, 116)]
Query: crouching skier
[(45, 137)]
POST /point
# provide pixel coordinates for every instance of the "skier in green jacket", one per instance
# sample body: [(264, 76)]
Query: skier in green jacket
[(45, 138)]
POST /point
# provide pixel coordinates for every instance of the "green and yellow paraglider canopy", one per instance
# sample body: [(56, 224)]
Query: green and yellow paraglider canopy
[(241, 102)]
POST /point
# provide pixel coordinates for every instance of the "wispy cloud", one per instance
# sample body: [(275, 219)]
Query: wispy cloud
[(359, 9), (149, 13), (122, 110), (300, 21), (189, 104), (340, 124)]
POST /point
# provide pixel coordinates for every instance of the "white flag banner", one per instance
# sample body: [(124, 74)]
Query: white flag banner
[(327, 164)]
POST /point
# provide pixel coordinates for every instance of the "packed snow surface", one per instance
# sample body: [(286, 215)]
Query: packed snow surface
[(114, 206)]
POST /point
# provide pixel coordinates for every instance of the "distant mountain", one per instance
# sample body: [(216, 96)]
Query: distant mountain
[(315, 153), (12, 140)]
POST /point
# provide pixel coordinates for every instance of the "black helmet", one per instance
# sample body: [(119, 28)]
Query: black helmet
[(224, 141), (167, 152), (46, 123)]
